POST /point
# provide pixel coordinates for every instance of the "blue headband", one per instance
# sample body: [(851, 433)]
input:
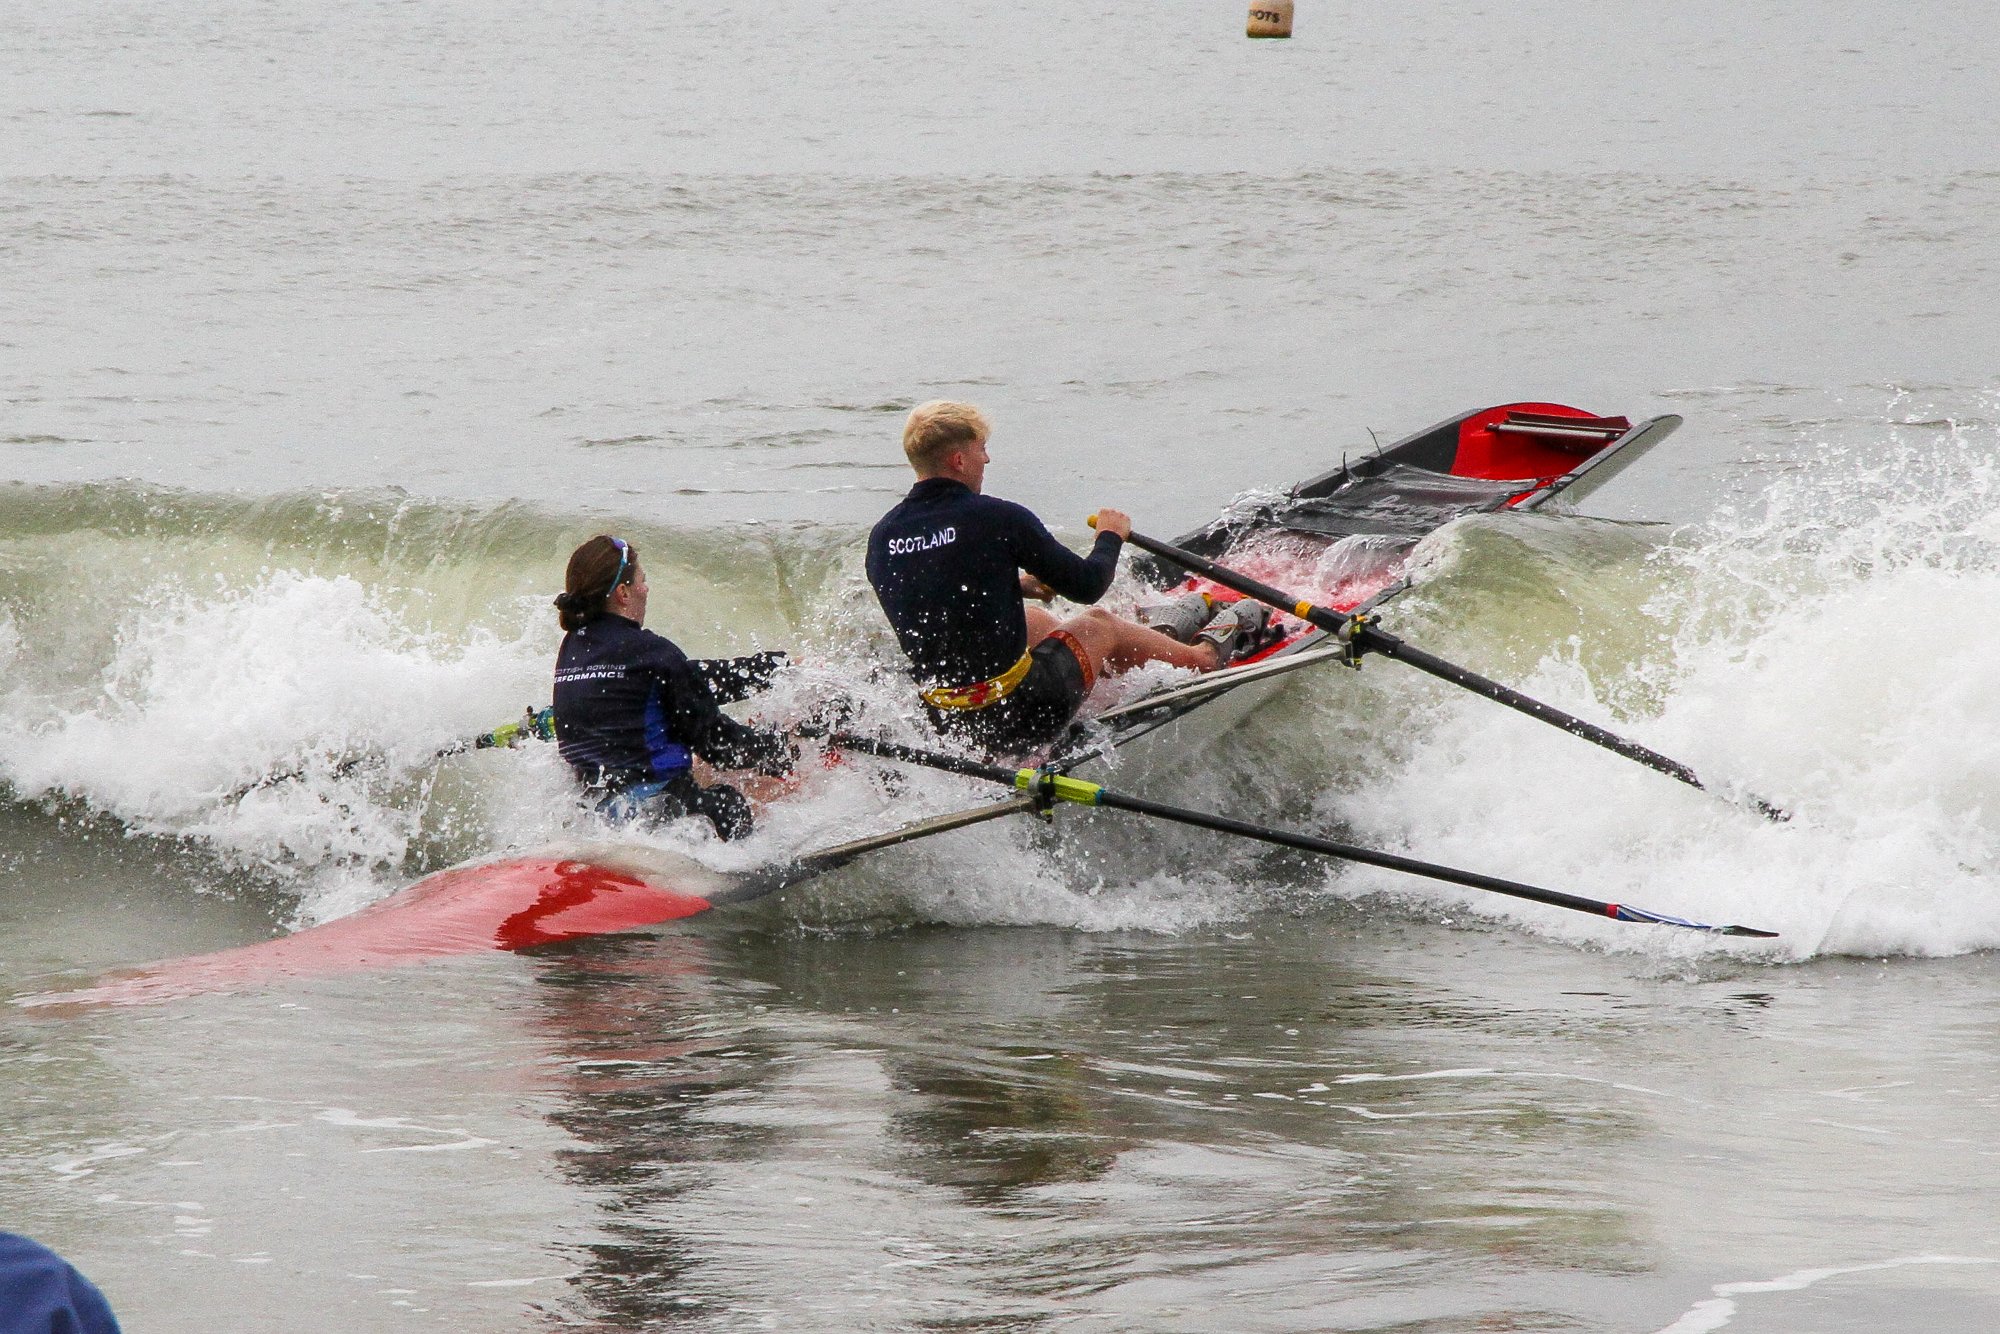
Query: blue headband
[(624, 553)]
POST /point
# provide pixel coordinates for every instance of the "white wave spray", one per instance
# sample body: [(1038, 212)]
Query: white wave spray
[(1830, 651)]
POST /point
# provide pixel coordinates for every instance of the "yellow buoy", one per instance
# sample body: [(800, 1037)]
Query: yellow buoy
[(1270, 18)]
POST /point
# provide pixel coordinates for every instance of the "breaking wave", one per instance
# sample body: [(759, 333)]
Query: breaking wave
[(262, 687), (1827, 649)]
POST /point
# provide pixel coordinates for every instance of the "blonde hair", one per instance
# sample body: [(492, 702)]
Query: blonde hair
[(936, 428)]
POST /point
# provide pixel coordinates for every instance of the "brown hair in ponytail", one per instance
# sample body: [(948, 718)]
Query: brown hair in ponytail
[(595, 569)]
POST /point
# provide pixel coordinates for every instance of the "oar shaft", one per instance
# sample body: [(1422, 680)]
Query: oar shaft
[(1348, 852), (1389, 646), (1046, 786), (1411, 866), (1367, 636), (928, 759)]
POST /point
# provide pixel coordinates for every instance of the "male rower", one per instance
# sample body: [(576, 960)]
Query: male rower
[(952, 568)]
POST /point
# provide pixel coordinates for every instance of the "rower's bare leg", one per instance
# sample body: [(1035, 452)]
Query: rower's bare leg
[(1040, 621), (1116, 645), (762, 789)]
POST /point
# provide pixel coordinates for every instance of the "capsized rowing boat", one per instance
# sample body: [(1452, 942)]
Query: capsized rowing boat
[(1342, 538), (512, 904)]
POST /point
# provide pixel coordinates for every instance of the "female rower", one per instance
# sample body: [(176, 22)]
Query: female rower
[(636, 718)]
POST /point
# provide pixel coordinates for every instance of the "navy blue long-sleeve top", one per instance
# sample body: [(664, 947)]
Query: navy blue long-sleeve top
[(946, 565), (629, 703)]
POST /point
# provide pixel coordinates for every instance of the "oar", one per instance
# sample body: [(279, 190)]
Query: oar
[(768, 880), (1364, 634), (531, 724), (1048, 787)]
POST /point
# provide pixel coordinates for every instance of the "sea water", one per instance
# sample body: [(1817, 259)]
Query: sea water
[(328, 334)]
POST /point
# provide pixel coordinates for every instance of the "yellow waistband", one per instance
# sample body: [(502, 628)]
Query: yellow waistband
[(981, 693)]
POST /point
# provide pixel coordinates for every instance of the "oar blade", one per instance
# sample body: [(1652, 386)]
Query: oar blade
[(1625, 912)]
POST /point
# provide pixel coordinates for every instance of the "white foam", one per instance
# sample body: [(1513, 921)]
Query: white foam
[(1842, 671), (205, 694), (1719, 1311), (1828, 651)]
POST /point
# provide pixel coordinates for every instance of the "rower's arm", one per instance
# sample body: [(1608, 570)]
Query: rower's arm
[(695, 720), (732, 679), (1078, 578)]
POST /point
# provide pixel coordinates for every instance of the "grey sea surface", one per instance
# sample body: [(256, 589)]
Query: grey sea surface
[(327, 332)]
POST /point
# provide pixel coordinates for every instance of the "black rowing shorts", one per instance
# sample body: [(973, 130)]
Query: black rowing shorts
[(1036, 712)]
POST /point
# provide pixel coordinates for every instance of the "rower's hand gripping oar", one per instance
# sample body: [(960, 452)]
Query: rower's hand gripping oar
[(1048, 787), (1362, 635)]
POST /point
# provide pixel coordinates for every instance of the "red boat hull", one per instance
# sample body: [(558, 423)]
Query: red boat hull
[(505, 905)]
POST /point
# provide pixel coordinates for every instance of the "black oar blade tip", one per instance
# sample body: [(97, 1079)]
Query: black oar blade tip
[(1748, 931)]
